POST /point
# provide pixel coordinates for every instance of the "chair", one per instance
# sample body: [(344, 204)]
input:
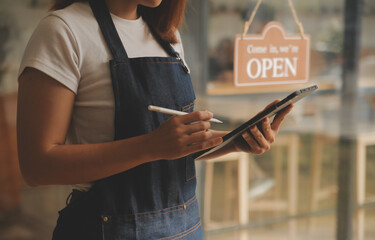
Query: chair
[(363, 141), (291, 142)]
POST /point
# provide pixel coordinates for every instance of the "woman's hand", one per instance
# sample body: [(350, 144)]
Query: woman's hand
[(258, 141), (181, 135)]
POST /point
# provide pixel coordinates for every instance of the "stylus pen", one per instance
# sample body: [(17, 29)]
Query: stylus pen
[(175, 112)]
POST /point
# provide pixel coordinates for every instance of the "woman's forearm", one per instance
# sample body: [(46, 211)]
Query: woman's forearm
[(72, 164), (43, 117)]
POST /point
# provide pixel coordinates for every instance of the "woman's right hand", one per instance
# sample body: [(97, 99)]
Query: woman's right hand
[(180, 136)]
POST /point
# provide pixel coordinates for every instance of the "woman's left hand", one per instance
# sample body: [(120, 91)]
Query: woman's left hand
[(258, 141)]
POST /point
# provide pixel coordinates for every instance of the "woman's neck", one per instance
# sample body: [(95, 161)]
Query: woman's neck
[(123, 9)]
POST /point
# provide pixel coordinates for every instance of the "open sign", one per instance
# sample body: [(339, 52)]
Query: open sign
[(271, 58)]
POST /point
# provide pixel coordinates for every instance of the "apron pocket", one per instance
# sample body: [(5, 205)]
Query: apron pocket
[(193, 233), (118, 227), (150, 225)]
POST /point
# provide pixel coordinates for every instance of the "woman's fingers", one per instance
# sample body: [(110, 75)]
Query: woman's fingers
[(195, 117), (260, 139), (213, 142), (275, 125), (256, 141), (182, 135), (272, 103), (252, 144), (198, 137), (197, 127), (268, 133)]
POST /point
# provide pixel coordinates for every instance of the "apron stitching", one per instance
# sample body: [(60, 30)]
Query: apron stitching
[(190, 231), (188, 202), (170, 211), (161, 213), (151, 212), (191, 178), (189, 104), (185, 217), (184, 233), (184, 108), (188, 108)]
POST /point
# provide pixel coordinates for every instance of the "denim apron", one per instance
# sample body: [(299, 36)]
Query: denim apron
[(155, 200)]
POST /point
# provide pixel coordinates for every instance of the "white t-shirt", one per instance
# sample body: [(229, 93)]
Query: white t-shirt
[(68, 46)]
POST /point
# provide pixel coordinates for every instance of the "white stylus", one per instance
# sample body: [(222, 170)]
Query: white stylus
[(175, 112)]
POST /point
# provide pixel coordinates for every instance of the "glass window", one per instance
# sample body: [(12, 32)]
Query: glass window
[(324, 150), (297, 180)]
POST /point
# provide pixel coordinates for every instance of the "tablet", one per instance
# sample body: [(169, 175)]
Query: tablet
[(268, 112)]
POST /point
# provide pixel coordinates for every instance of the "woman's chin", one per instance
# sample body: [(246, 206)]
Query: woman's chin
[(150, 3)]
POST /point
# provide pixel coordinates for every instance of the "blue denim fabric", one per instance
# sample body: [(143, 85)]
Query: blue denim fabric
[(177, 222), (154, 200)]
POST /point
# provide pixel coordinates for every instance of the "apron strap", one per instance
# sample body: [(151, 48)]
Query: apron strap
[(165, 45), (104, 19)]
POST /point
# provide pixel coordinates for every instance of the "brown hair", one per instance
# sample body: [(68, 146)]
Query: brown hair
[(165, 19)]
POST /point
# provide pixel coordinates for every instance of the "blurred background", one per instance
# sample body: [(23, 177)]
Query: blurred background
[(317, 181)]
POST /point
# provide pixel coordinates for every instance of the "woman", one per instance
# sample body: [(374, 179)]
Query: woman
[(84, 122)]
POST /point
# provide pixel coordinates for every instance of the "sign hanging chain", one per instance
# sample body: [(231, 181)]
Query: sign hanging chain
[(248, 23)]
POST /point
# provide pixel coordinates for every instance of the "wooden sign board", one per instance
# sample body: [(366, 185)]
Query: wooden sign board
[(274, 57)]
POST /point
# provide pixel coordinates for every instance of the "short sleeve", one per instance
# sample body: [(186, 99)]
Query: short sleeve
[(52, 49)]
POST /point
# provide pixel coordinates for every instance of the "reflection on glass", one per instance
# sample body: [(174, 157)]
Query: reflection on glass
[(314, 123), (221, 53)]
